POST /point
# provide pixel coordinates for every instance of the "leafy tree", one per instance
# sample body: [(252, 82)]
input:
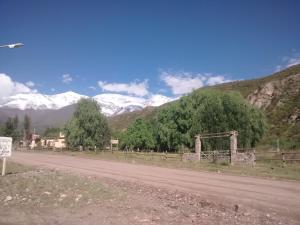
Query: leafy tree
[(208, 111), (88, 127), (52, 132), (168, 128), (139, 135), (220, 112)]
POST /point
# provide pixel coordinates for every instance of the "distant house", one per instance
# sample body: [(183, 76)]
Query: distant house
[(54, 142)]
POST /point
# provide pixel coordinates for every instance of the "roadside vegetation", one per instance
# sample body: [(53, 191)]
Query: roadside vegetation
[(175, 126)]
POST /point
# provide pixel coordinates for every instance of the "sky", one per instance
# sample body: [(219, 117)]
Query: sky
[(141, 48)]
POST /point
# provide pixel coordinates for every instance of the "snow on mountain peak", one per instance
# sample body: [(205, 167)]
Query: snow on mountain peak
[(111, 104), (40, 101), (157, 100)]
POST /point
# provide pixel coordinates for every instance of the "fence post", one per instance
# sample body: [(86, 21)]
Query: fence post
[(215, 156), (283, 159), (254, 158), (277, 148), (3, 166), (233, 146), (198, 147)]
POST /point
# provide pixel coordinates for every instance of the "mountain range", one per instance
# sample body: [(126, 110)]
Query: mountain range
[(54, 110), (111, 104)]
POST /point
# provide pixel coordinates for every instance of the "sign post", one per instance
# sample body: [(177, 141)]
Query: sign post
[(5, 151), (113, 143)]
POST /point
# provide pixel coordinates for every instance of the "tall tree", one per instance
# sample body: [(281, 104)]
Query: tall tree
[(208, 111), (10, 128), (27, 127), (139, 135), (87, 127)]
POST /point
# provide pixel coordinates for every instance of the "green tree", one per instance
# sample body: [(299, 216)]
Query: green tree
[(88, 127), (27, 127), (208, 111), (139, 135), (10, 128), (169, 135), (52, 132), (2, 133)]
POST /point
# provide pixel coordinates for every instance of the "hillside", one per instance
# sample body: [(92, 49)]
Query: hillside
[(278, 95)]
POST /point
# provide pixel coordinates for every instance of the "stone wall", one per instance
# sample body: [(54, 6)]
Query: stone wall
[(190, 157), (247, 157)]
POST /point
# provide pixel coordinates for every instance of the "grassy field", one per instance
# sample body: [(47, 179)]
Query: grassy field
[(269, 169)]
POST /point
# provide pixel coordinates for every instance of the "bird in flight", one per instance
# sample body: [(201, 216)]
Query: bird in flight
[(16, 45)]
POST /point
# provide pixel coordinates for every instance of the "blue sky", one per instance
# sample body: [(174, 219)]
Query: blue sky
[(144, 47)]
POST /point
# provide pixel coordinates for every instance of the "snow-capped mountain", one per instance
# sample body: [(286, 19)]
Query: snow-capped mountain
[(111, 104), (40, 101)]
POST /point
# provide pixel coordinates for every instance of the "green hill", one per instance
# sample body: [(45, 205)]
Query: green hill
[(278, 95)]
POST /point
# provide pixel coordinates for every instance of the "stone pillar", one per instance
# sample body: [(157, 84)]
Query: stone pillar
[(198, 147), (233, 146)]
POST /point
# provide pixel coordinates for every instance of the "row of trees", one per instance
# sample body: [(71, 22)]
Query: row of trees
[(12, 128), (176, 125)]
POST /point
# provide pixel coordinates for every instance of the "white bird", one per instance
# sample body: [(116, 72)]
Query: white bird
[(16, 45)]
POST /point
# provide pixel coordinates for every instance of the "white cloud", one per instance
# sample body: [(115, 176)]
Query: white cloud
[(92, 87), (66, 78), (133, 88), (288, 61), (293, 61), (181, 83), (213, 80), (9, 87), (185, 82), (30, 83)]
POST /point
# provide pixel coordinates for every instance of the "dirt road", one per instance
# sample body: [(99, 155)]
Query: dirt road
[(282, 197)]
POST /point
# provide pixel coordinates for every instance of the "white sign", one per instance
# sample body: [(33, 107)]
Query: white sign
[(114, 142), (5, 146)]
